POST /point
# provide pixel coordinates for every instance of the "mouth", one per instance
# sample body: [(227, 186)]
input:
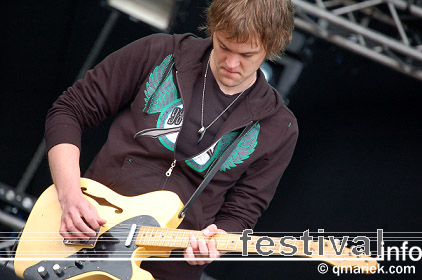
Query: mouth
[(229, 72)]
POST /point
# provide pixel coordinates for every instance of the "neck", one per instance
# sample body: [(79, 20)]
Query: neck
[(179, 238), (161, 238)]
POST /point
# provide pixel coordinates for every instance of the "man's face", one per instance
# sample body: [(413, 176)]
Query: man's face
[(234, 64)]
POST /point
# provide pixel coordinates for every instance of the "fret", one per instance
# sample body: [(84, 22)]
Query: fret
[(218, 242), (175, 239), (237, 243), (277, 246), (231, 241), (229, 236), (154, 235), (222, 242), (165, 236), (148, 241), (181, 239), (197, 235), (142, 235), (159, 236)]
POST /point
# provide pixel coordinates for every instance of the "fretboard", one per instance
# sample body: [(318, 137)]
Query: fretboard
[(179, 238)]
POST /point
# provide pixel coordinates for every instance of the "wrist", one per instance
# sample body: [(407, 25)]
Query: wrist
[(69, 194)]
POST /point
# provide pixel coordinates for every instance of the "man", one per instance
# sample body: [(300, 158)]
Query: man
[(178, 102)]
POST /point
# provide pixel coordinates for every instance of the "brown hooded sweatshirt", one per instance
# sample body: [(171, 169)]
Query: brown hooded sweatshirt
[(146, 93)]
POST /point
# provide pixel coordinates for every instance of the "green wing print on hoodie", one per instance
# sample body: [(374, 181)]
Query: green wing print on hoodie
[(243, 150), (157, 96)]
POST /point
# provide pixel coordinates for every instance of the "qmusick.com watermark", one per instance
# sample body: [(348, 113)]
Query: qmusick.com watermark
[(403, 253), (373, 269)]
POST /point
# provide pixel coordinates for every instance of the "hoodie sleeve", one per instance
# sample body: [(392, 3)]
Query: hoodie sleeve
[(252, 194), (103, 91)]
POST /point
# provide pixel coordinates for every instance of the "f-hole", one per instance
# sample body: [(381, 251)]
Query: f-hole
[(102, 201)]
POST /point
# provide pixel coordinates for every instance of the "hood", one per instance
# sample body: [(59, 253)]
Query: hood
[(262, 102)]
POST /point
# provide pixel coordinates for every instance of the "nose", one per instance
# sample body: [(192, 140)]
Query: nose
[(232, 61)]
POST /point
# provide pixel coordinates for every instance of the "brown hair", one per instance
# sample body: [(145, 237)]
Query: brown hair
[(269, 21)]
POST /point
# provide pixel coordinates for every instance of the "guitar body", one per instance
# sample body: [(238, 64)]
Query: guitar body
[(41, 239)]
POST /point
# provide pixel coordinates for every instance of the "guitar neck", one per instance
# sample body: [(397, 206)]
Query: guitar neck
[(179, 239)]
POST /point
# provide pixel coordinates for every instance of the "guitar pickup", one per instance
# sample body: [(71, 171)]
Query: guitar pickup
[(90, 242)]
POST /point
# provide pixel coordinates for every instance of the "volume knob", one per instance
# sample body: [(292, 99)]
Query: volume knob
[(57, 269), (79, 263), (42, 272)]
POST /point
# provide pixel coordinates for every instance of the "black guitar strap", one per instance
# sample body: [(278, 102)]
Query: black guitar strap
[(214, 168)]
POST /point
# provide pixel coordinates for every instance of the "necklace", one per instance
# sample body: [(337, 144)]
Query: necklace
[(203, 129)]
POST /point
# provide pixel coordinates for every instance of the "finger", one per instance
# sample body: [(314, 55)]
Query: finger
[(188, 254), (64, 231), (193, 242), (73, 233), (80, 228), (93, 220), (101, 221), (210, 230), (201, 252), (203, 249), (70, 230), (213, 252)]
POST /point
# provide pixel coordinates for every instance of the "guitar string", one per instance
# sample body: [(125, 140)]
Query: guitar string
[(177, 242), (345, 254), (183, 241), (158, 233)]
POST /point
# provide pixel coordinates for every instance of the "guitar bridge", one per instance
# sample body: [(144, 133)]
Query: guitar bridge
[(90, 242)]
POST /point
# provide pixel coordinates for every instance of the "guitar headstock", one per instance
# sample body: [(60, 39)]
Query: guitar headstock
[(346, 257)]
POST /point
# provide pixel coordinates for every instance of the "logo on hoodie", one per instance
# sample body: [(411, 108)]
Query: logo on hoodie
[(161, 97)]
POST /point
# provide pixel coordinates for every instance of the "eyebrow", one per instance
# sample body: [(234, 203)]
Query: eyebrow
[(245, 53)]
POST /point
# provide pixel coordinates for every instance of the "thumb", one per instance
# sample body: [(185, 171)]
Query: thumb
[(210, 230)]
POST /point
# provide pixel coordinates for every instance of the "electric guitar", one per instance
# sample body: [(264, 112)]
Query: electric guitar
[(137, 228)]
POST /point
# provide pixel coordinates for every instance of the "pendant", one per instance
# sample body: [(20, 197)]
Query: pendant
[(201, 133)]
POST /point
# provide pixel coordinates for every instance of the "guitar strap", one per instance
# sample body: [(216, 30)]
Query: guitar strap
[(214, 168)]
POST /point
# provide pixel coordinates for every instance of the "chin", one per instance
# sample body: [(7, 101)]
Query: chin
[(229, 83), (229, 80)]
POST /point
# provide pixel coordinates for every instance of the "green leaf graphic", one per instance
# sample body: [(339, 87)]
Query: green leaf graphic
[(165, 94), (243, 150)]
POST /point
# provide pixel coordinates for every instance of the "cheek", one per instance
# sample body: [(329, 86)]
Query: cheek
[(250, 66), (219, 59)]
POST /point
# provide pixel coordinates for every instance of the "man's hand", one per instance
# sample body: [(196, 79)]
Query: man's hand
[(199, 248), (79, 218)]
